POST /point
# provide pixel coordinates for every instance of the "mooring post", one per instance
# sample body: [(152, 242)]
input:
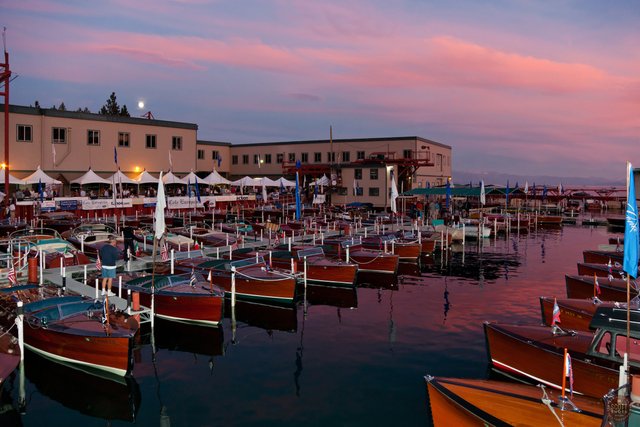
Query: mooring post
[(233, 286), (119, 286), (305, 272), (97, 287), (20, 324), (172, 260)]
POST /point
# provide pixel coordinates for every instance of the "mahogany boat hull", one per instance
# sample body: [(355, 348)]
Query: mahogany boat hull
[(575, 314), (428, 246), (582, 287), (600, 270), (534, 354), (249, 285), (201, 308), (109, 353), (387, 263), (602, 257), (475, 402)]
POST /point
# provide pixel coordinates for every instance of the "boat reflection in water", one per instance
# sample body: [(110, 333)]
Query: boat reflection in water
[(188, 338), (271, 317), (108, 397), (384, 281), (340, 297), (9, 415)]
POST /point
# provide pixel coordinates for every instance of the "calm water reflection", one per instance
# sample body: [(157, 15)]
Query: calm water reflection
[(343, 358)]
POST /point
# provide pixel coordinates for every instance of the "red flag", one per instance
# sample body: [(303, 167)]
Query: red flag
[(98, 263), (12, 276), (164, 254), (596, 284), (196, 246), (556, 313)]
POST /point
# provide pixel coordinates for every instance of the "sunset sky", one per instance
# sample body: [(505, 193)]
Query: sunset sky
[(520, 87)]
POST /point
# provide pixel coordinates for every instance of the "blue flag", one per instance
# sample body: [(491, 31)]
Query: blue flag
[(197, 190), (189, 187), (298, 215), (315, 189), (40, 190), (506, 193), (219, 160), (544, 191), (630, 263), (281, 187), (448, 194), (115, 155)]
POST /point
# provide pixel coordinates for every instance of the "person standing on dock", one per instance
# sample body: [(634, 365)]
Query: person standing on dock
[(129, 248), (108, 255)]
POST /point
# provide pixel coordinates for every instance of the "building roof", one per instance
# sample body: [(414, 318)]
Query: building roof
[(351, 140), (19, 109), (213, 143)]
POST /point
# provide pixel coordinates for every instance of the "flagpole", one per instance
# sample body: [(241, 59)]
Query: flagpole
[(629, 177)]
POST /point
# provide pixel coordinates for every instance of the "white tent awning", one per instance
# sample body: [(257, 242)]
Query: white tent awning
[(170, 178), (145, 178), (90, 177), (40, 176), (214, 178), (119, 177), (12, 179)]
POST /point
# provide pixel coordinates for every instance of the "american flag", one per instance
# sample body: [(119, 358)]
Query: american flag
[(234, 247), (277, 240), (209, 278), (12, 276), (596, 284), (164, 253), (556, 313), (193, 280), (569, 373), (98, 263)]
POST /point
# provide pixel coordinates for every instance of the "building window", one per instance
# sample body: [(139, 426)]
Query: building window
[(176, 143), (359, 191), (150, 141), (342, 191), (256, 159), (331, 157), (200, 154), (373, 174), (214, 155), (59, 135), (305, 157), (360, 155), (123, 139), (245, 159), (346, 156), (267, 158), (317, 157), (23, 133), (292, 157), (407, 154), (357, 174), (234, 159), (279, 158), (93, 137), (374, 191)]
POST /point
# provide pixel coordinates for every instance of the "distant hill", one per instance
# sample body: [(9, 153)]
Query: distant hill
[(496, 178)]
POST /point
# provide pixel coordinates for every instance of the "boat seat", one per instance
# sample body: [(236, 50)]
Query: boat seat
[(243, 251), (35, 306)]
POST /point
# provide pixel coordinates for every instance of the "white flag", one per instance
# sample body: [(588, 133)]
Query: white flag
[(53, 152), (483, 199), (394, 193), (526, 187), (170, 162), (161, 204)]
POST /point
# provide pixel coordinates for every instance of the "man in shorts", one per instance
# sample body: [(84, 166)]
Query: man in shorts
[(108, 256)]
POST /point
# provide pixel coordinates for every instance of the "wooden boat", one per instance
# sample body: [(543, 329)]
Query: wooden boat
[(55, 249), (581, 287), (253, 280), (70, 329), (9, 354), (59, 221), (183, 298), (8, 226), (206, 236), (536, 353), (92, 237), (406, 249), (617, 221), (600, 270), (602, 257), (479, 402), (575, 314), (550, 220), (177, 242), (368, 260), (320, 269)]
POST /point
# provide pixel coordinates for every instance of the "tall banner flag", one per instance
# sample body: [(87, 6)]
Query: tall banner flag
[(448, 194), (53, 153), (197, 190), (394, 193), (298, 213), (161, 204), (630, 264), (264, 194), (40, 190), (219, 161), (526, 187), (170, 162), (115, 155), (483, 198), (506, 193)]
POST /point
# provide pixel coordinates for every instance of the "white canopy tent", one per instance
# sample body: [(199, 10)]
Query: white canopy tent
[(145, 178), (264, 181), (320, 181), (247, 181), (214, 178), (12, 179), (39, 176), (285, 182), (90, 177), (170, 178), (191, 178), (119, 177)]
